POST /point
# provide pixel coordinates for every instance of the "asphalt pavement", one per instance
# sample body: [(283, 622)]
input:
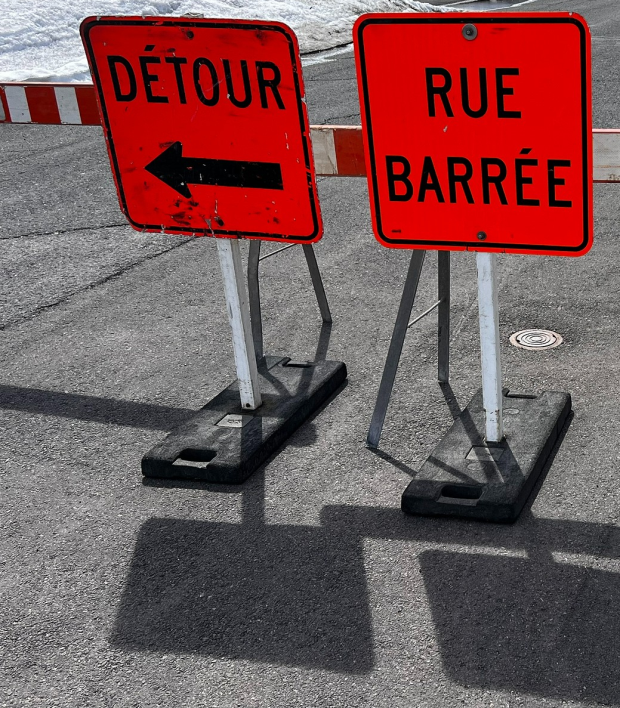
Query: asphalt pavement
[(305, 586)]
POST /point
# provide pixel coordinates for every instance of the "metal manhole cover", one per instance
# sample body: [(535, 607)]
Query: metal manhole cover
[(536, 339)]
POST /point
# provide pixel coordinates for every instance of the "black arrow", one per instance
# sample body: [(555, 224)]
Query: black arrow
[(177, 172)]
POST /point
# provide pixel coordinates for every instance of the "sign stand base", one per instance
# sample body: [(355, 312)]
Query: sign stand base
[(224, 443), (465, 477)]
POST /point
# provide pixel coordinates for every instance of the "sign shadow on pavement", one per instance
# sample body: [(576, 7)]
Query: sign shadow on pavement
[(285, 594), (528, 625), (526, 608), (281, 594)]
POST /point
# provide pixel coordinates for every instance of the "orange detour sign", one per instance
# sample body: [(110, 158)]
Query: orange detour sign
[(478, 130), (206, 126)]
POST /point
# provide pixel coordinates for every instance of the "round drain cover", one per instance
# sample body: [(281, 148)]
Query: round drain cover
[(536, 339)]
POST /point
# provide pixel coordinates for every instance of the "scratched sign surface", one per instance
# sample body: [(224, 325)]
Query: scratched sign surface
[(478, 130), (206, 126)]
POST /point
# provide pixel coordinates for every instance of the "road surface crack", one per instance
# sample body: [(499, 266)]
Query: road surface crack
[(101, 281), (61, 232)]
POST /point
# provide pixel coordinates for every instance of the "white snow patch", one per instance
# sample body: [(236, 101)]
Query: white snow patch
[(41, 41)]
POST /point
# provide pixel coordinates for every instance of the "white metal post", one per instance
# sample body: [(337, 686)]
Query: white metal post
[(489, 346), (238, 308)]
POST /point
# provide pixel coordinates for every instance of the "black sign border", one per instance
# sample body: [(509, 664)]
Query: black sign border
[(586, 134), (87, 26)]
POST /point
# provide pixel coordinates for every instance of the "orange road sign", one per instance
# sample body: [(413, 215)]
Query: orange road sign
[(478, 130), (206, 126)]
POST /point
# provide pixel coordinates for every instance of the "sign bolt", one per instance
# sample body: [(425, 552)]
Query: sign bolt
[(470, 32), (481, 235)]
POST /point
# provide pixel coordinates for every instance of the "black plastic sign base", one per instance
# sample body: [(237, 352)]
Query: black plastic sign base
[(466, 478), (224, 443)]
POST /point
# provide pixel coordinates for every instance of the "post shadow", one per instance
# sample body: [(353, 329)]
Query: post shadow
[(455, 412), (450, 399), (148, 416)]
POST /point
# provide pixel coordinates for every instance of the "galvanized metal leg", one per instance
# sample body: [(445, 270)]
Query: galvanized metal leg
[(254, 293), (317, 282), (443, 316), (239, 316), (489, 346), (396, 347)]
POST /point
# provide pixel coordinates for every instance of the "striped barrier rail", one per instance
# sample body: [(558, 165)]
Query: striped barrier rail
[(338, 150)]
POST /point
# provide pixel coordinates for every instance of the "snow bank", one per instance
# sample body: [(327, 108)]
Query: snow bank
[(41, 42)]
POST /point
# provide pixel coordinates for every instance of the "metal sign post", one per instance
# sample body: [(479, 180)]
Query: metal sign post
[(401, 326), (489, 347), (238, 308), (254, 258), (396, 346)]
